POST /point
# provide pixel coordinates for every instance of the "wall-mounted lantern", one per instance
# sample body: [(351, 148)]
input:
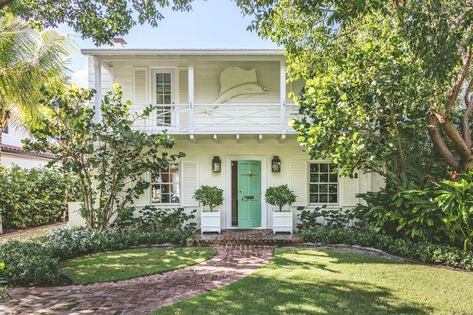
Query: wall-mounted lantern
[(276, 164), (216, 165)]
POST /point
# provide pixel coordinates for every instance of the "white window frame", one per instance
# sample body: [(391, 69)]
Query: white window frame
[(174, 94), (179, 185), (318, 204)]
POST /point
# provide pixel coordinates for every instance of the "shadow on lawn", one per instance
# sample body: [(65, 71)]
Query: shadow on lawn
[(261, 295), (286, 286)]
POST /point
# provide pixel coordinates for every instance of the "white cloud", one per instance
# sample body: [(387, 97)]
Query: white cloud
[(80, 76)]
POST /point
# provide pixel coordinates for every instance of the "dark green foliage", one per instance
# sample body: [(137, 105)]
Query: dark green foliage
[(32, 197), (422, 209), (154, 219), (29, 262), (109, 158), (423, 251), (99, 20), (35, 261), (321, 216), (280, 196), (209, 196)]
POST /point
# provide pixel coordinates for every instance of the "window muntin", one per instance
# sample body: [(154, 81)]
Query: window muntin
[(163, 98), (165, 185), (323, 184)]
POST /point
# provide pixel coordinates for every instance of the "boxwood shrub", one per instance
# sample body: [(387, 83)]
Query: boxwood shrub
[(35, 261), (422, 251)]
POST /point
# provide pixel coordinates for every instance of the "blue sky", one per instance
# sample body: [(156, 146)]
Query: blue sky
[(211, 24)]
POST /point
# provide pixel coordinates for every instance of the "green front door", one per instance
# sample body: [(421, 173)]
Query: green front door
[(249, 194)]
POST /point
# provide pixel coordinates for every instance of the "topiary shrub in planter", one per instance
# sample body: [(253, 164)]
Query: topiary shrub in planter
[(211, 197), (281, 196)]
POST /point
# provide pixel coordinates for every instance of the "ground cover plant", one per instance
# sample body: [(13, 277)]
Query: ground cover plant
[(311, 281), (131, 263), (35, 261)]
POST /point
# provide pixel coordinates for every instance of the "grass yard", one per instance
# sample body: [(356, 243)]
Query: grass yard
[(126, 264), (309, 281)]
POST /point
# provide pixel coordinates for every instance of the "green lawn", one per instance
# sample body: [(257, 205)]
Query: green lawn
[(126, 264), (309, 281)]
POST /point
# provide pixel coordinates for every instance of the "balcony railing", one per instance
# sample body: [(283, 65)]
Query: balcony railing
[(228, 118)]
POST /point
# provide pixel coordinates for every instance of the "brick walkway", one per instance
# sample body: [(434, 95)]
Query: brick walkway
[(141, 295), (31, 231)]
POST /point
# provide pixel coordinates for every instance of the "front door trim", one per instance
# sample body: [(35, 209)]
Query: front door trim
[(228, 190)]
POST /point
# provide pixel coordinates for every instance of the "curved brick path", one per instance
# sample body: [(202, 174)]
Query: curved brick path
[(141, 295)]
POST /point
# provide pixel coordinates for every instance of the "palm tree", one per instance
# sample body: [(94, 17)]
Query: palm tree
[(29, 59)]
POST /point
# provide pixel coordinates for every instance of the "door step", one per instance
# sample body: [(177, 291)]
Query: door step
[(244, 237)]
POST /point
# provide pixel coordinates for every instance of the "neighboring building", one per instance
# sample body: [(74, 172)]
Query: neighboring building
[(12, 152), (229, 108)]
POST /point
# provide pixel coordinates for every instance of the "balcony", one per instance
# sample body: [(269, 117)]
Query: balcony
[(227, 118)]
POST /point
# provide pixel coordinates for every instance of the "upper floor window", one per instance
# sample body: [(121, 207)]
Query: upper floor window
[(165, 185), (323, 184), (164, 98)]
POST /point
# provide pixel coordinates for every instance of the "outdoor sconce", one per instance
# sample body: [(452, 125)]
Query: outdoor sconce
[(216, 165), (276, 164)]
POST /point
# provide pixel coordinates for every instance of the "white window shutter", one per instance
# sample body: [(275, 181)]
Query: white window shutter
[(140, 88), (299, 181), (350, 187), (190, 182)]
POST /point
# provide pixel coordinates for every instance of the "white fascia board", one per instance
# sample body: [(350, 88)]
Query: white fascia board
[(181, 52)]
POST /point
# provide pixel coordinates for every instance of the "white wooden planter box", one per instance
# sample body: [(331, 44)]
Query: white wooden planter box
[(210, 221), (282, 221)]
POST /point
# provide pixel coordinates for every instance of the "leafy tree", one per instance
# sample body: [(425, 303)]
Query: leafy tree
[(211, 196), (108, 157), (280, 196), (96, 19), (28, 60), (381, 76)]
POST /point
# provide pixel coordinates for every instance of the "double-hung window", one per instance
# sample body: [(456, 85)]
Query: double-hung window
[(323, 184), (165, 183)]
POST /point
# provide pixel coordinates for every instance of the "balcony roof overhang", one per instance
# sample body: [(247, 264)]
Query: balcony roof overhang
[(180, 52)]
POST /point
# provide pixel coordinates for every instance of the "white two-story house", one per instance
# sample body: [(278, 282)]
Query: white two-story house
[(228, 111)]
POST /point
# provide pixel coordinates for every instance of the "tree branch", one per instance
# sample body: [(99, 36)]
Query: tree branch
[(439, 143), (465, 125), (455, 90)]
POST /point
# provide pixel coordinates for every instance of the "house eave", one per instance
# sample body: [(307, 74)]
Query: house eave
[(180, 52)]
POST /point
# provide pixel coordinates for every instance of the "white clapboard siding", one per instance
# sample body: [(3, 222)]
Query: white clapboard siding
[(298, 181), (140, 83), (190, 182), (350, 188)]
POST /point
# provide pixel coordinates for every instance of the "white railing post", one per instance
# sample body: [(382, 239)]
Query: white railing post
[(190, 74), (282, 95), (98, 88)]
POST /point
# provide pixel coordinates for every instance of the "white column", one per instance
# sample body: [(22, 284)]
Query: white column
[(190, 74), (282, 95), (98, 88)]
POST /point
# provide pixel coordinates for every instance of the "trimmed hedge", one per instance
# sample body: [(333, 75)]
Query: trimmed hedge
[(32, 197), (35, 261), (423, 251)]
